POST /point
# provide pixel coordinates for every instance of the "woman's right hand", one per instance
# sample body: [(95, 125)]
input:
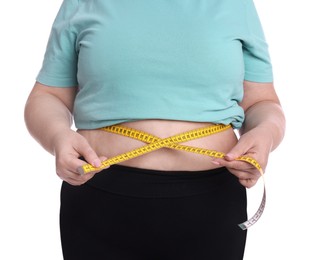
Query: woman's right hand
[(48, 117), (69, 146)]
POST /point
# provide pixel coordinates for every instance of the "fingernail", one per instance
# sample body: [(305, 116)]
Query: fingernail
[(229, 156), (96, 163), (216, 163)]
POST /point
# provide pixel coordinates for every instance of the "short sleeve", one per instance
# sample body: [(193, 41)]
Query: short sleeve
[(59, 67), (258, 67)]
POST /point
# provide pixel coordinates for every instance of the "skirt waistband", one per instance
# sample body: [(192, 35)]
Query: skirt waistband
[(146, 183)]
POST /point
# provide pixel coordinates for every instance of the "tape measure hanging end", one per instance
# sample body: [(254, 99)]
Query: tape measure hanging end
[(251, 221)]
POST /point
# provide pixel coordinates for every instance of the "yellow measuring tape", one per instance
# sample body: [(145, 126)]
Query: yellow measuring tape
[(173, 142)]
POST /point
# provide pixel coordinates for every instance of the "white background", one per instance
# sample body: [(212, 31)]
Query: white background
[(29, 191)]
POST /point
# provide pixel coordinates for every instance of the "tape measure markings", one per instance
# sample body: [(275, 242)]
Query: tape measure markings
[(155, 143)]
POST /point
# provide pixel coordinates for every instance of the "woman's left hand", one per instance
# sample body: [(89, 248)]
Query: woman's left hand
[(255, 143)]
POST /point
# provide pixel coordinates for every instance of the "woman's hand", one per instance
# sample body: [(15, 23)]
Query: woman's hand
[(48, 117), (261, 132), (69, 146), (256, 143)]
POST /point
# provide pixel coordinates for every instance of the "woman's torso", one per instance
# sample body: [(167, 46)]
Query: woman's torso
[(110, 144)]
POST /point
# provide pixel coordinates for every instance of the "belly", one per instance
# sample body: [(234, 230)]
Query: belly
[(110, 144)]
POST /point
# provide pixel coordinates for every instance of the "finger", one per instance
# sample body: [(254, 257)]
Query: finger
[(244, 171), (66, 169), (236, 164), (68, 165), (74, 178), (245, 175), (81, 169), (85, 150), (248, 183), (102, 158), (241, 148)]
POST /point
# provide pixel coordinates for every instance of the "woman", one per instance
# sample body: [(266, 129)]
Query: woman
[(161, 67)]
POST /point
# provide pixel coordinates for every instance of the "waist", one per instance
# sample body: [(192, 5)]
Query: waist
[(135, 182), (110, 144)]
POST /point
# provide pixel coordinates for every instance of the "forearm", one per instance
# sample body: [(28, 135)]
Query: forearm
[(269, 116), (45, 117)]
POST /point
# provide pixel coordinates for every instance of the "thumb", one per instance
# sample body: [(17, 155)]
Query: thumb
[(89, 154), (102, 158), (238, 150)]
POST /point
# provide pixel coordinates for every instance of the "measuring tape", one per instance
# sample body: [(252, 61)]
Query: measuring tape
[(154, 143)]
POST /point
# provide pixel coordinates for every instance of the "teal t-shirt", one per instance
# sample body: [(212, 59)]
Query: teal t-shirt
[(156, 59)]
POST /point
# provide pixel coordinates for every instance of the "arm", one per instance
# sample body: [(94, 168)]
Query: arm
[(261, 133), (47, 112), (48, 117), (262, 109)]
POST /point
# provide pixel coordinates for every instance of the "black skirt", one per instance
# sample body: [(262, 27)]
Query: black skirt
[(136, 214)]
